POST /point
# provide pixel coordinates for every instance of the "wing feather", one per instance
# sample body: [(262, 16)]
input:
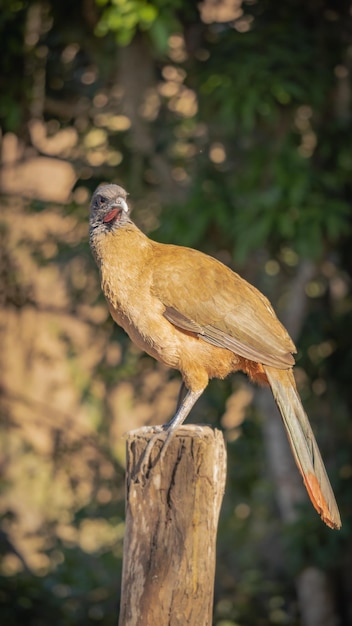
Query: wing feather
[(219, 306)]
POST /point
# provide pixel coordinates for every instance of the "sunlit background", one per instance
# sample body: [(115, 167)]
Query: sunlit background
[(229, 123)]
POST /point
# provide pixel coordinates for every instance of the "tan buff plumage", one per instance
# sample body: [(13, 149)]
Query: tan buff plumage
[(194, 314)]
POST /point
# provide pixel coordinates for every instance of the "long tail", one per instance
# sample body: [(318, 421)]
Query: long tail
[(304, 446)]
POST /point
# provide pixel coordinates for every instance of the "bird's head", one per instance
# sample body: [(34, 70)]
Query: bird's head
[(108, 209)]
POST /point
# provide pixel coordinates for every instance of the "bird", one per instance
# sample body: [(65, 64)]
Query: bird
[(194, 314)]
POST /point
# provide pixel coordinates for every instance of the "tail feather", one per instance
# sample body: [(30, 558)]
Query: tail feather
[(304, 446)]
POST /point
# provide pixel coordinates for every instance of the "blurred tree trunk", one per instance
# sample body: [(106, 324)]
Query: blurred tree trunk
[(35, 58), (136, 76), (315, 602)]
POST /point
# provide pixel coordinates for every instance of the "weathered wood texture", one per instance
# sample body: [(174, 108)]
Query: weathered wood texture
[(171, 524)]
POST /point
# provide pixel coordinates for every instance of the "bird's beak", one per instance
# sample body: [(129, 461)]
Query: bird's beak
[(123, 204)]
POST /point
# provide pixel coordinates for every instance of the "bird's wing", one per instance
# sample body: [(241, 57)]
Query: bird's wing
[(203, 296)]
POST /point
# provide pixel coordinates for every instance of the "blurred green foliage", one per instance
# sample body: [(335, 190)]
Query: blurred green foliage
[(126, 17), (244, 152)]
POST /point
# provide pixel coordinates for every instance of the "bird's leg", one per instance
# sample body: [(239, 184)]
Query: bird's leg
[(181, 394), (170, 428), (183, 410)]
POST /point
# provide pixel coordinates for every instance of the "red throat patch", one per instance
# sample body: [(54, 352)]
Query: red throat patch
[(109, 217)]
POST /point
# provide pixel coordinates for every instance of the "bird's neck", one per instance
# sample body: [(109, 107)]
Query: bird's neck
[(120, 255), (112, 247)]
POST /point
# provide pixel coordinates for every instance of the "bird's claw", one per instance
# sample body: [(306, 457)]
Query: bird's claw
[(145, 465)]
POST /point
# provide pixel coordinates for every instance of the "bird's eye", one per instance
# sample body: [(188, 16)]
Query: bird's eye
[(100, 201)]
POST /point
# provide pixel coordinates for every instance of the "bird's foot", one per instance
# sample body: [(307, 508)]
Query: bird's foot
[(166, 432), (160, 432), (145, 430), (145, 465)]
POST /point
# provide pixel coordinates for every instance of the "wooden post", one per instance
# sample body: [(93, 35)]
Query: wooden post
[(171, 523)]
